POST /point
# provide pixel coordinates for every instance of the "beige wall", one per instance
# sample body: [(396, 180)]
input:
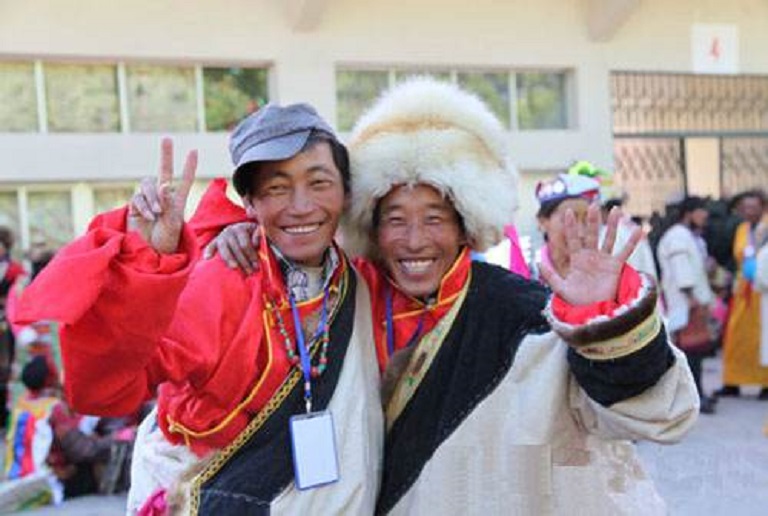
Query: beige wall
[(482, 33)]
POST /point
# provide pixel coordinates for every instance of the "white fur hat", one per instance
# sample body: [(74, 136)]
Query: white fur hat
[(430, 132)]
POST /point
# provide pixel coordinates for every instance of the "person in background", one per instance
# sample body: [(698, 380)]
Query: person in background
[(565, 192), (611, 196), (10, 272), (39, 256), (509, 253), (683, 256), (49, 457), (761, 284), (741, 345)]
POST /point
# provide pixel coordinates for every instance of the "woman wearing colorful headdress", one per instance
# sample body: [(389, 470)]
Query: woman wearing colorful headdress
[(556, 196), (611, 195)]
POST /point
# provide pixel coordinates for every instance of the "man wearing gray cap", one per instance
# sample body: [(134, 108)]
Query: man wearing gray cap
[(267, 384)]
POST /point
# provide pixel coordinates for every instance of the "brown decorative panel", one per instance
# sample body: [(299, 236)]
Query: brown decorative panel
[(744, 164), (645, 103), (649, 171)]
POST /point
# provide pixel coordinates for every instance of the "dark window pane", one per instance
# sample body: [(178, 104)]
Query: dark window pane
[(50, 217), (82, 98), (491, 87), (18, 98), (355, 91), (231, 94), (105, 199), (440, 75), (162, 98), (541, 100)]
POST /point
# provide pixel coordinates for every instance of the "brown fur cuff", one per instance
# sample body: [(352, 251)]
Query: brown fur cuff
[(615, 329)]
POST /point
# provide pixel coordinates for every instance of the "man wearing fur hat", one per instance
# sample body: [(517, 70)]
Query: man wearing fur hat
[(498, 397), (499, 409), (267, 385)]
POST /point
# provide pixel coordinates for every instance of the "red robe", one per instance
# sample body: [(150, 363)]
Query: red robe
[(135, 322)]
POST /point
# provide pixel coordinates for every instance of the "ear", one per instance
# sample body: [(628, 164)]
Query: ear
[(541, 223), (250, 209), (465, 240)]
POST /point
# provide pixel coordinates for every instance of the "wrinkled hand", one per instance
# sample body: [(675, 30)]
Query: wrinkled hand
[(237, 245), (593, 274), (156, 211)]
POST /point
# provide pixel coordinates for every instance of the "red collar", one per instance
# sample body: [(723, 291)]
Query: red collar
[(412, 315)]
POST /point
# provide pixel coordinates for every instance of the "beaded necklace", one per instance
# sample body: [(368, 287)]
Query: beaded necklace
[(322, 334)]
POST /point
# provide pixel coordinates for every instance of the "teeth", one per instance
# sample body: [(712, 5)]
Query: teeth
[(416, 265), (300, 230)]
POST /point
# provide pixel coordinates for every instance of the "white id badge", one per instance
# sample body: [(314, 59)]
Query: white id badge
[(314, 449)]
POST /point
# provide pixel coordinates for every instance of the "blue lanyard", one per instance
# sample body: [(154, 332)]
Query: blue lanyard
[(391, 323), (306, 364)]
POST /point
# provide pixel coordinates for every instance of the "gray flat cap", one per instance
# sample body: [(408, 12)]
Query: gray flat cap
[(273, 133)]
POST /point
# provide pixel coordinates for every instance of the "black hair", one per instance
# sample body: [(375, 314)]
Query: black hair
[(689, 205), (41, 262), (35, 373), (243, 180), (756, 193), (547, 208), (6, 238)]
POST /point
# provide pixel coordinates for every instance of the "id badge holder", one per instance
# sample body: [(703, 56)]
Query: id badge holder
[(313, 444)]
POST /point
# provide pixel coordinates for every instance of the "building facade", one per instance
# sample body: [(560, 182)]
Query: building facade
[(88, 87)]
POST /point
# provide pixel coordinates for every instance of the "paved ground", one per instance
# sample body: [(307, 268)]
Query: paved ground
[(720, 469)]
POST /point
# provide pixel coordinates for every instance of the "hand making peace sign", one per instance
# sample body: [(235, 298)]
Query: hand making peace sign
[(156, 211)]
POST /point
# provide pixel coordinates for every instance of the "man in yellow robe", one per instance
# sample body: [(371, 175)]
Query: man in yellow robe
[(741, 363)]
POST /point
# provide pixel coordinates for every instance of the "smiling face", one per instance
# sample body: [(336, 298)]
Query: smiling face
[(298, 203), (419, 236), (750, 208)]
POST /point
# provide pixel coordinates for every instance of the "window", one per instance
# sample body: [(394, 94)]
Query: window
[(440, 75), (541, 100), (18, 98), (162, 98), (538, 99), (50, 217), (92, 98), (109, 198), (82, 98), (492, 87), (355, 90), (232, 93)]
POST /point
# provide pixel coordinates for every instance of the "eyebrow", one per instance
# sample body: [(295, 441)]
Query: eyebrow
[(431, 206), (320, 168), (282, 174)]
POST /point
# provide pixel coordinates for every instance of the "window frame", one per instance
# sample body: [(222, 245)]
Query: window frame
[(125, 125), (513, 123)]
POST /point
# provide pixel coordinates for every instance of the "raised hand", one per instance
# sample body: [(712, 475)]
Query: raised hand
[(593, 274), (237, 244), (156, 211)]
